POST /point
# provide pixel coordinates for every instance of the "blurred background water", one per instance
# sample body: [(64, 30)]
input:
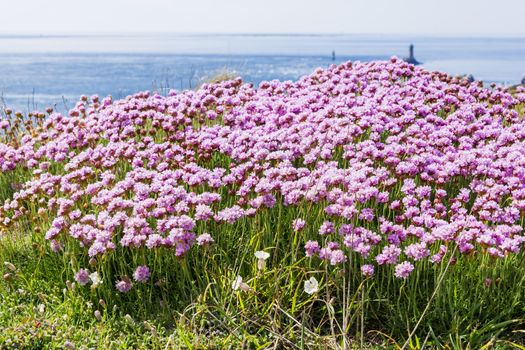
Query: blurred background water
[(41, 71)]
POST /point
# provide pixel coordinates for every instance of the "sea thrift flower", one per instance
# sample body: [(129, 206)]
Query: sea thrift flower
[(403, 269), (367, 270), (124, 285), (298, 224), (389, 255), (204, 239), (82, 277), (417, 251), (311, 248), (337, 257), (326, 228), (141, 274), (325, 253), (436, 258), (203, 212), (366, 214), (55, 245)]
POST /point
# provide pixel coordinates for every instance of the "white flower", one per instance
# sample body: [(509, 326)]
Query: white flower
[(261, 257), (311, 286), (95, 279), (237, 283)]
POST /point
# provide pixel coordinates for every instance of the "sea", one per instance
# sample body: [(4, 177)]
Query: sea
[(40, 71)]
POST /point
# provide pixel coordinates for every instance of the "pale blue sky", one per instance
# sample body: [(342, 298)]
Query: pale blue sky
[(438, 17)]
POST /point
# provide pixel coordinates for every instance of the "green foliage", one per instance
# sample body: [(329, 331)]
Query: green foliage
[(190, 302)]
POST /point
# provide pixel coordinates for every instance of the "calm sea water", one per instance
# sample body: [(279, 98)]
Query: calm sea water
[(41, 71)]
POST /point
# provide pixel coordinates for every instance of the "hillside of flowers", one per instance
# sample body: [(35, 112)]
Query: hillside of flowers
[(380, 172)]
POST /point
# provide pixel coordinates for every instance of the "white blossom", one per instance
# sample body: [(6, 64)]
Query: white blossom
[(311, 286)]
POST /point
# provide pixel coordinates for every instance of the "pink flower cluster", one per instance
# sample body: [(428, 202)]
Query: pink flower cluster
[(403, 162)]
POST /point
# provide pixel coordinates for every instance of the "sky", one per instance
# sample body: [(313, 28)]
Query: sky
[(437, 17)]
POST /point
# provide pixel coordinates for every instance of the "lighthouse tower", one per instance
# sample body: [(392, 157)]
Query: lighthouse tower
[(411, 59)]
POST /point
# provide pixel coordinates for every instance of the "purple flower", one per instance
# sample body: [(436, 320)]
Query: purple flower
[(403, 269), (367, 270), (389, 255), (367, 214), (124, 285), (326, 228), (311, 248), (332, 245), (417, 251), (370, 147), (55, 245), (141, 274), (82, 277), (337, 257), (203, 212), (298, 224), (204, 239)]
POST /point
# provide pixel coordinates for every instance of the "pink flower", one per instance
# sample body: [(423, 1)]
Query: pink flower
[(141, 274), (326, 228), (312, 248), (55, 245), (367, 270), (204, 239), (337, 257), (124, 285), (403, 269), (298, 224), (82, 277), (389, 255)]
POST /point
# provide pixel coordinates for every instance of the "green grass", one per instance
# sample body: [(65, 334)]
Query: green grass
[(194, 306)]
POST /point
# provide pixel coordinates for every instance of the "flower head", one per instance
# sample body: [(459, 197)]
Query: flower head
[(204, 239), (55, 245), (237, 283), (124, 285), (95, 279), (311, 286), (298, 224), (261, 257), (311, 248), (141, 274), (403, 269), (367, 270), (82, 277), (260, 254)]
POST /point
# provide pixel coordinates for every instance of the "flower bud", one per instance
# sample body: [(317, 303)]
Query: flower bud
[(98, 315)]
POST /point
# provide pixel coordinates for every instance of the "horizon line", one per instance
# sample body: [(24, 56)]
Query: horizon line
[(58, 34)]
